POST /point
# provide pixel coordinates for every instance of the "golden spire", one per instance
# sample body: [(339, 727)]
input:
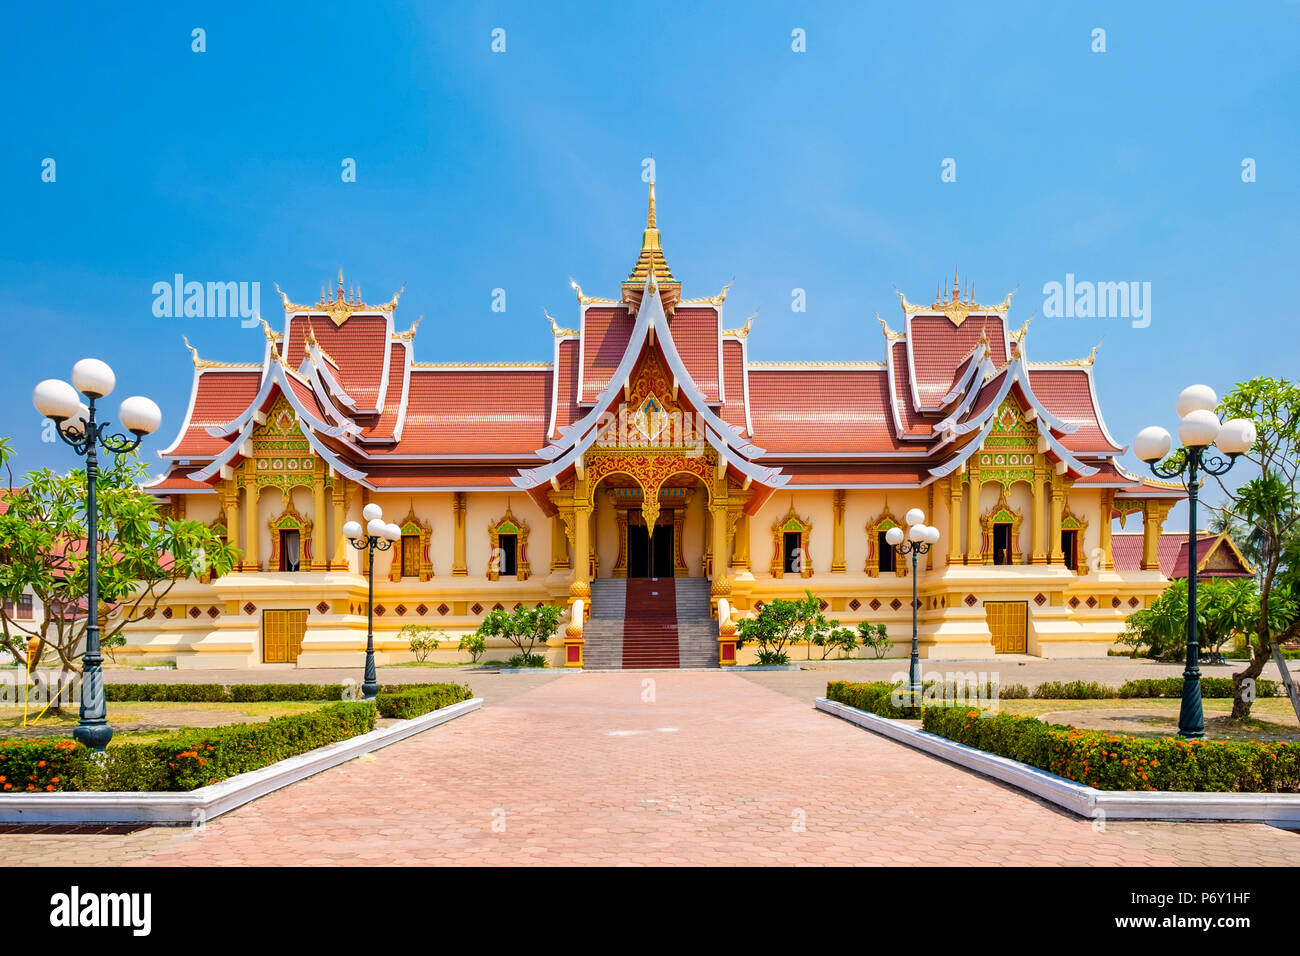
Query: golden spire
[(650, 262), (650, 215)]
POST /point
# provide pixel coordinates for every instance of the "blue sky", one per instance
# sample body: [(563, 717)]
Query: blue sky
[(818, 170)]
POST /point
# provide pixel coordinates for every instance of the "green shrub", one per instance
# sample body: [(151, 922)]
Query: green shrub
[(41, 765), (185, 760), (1073, 690), (528, 660), (244, 693), (875, 697), (1013, 692), (474, 645), (1111, 762), (415, 701), (1211, 687), (180, 693)]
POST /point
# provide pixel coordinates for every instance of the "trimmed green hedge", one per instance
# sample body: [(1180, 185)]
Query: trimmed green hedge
[(236, 693), (875, 697), (1220, 687), (415, 701), (1110, 762), (182, 761)]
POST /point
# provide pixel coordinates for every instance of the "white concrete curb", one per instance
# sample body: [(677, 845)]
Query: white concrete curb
[(205, 803), (1282, 808)]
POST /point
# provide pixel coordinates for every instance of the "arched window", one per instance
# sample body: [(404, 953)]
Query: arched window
[(290, 540), (790, 554), (411, 554), (881, 556), (508, 548)]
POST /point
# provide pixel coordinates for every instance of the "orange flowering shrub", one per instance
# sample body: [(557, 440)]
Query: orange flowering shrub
[(1115, 762)]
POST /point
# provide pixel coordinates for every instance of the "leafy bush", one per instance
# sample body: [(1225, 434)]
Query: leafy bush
[(1073, 690), (842, 639), (473, 644), (524, 627), (875, 697), (1013, 692), (181, 761), (40, 765), (421, 640), (1111, 762), (876, 638), (415, 701), (1217, 687), (219, 694), (781, 622), (528, 660)]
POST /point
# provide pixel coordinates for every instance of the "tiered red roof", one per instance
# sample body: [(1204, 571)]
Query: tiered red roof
[(378, 416)]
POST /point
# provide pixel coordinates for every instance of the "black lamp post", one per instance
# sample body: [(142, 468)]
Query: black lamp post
[(1198, 429), (77, 425), (377, 536), (919, 538)]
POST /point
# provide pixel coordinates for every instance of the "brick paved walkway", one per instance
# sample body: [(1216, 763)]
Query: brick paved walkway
[(716, 769)]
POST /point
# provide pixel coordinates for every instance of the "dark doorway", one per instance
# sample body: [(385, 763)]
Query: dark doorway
[(1002, 542), (638, 551), (885, 554), (649, 556), (1070, 549), (509, 545), (661, 551), (290, 550), (792, 541)]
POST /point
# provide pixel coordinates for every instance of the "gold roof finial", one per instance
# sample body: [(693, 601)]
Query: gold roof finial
[(194, 353), (650, 215), (1092, 355), (890, 334)]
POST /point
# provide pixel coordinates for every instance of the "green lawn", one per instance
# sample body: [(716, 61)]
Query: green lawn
[(144, 722), (1271, 718)]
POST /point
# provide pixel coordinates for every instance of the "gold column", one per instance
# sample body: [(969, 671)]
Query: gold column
[(837, 536), (973, 520), (1054, 529), (581, 587), (619, 570), (318, 560), (718, 534), (559, 544), (954, 519), (458, 565), (679, 528), (1037, 553), (230, 515), (1107, 506), (338, 497), (1154, 514), (740, 550), (251, 559)]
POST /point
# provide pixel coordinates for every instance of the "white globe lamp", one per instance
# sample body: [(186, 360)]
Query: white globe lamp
[(93, 378)]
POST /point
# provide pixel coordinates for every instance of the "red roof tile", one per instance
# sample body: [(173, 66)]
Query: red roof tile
[(821, 410), (696, 333), (220, 397), (605, 334), (937, 348), (1066, 393)]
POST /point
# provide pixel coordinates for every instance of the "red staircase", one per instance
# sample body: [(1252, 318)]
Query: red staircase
[(650, 623)]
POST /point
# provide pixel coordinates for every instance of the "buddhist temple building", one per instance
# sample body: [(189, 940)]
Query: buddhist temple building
[(654, 482)]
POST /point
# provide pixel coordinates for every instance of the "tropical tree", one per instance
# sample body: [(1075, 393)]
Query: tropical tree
[(780, 623), (1266, 506), (524, 627), (44, 551), (876, 637), (1161, 629)]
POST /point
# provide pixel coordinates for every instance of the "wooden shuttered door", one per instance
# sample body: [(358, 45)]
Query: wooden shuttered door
[(1009, 623), (282, 634)]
